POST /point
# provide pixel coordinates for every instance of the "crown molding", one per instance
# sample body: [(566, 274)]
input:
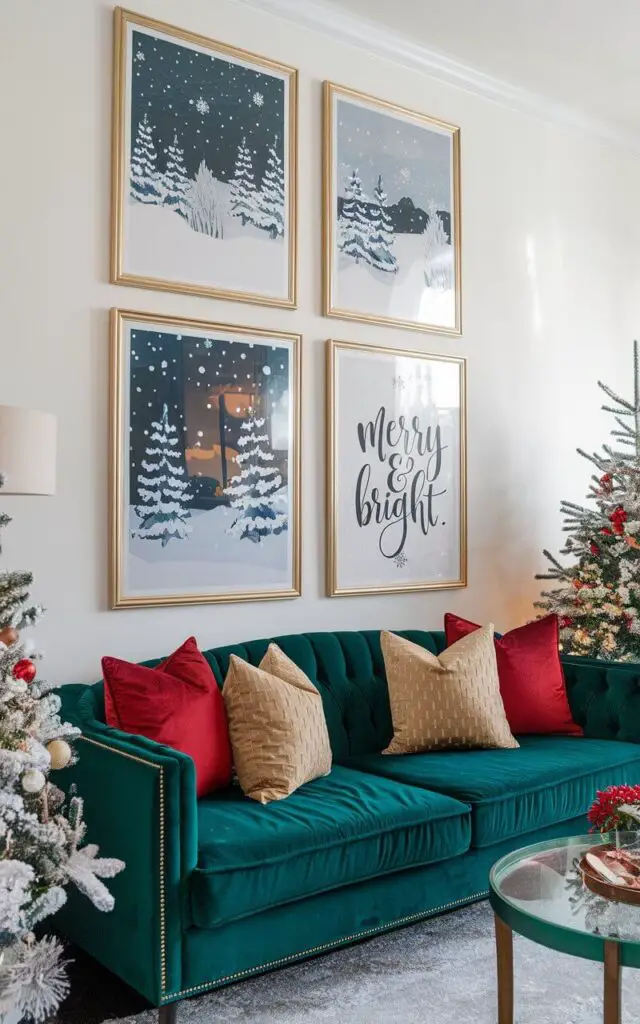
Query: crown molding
[(327, 18)]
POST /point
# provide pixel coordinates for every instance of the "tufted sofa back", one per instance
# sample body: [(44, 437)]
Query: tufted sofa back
[(348, 669)]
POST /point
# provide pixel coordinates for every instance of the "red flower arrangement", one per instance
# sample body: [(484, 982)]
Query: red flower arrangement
[(605, 815)]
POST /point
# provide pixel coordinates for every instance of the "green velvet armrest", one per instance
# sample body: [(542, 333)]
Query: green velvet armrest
[(604, 697), (140, 805)]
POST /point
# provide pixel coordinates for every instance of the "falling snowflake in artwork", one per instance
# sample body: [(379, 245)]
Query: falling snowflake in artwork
[(258, 99), (404, 174), (399, 383), (202, 106), (400, 560), (139, 55), (208, 343)]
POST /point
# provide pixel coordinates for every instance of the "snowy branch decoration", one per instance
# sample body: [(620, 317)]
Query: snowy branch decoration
[(144, 172), (256, 491), (163, 489), (41, 836), (598, 602)]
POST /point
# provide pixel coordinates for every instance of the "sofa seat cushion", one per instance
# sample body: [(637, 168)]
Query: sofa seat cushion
[(513, 792), (334, 831)]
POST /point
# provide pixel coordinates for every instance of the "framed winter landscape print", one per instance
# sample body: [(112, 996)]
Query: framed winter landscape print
[(396, 470), (391, 214), (204, 166), (205, 462)]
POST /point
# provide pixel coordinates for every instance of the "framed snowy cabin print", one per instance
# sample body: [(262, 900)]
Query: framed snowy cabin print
[(204, 166), (396, 470), (391, 214), (205, 429)]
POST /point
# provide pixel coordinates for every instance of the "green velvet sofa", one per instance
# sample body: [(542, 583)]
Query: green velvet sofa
[(218, 889)]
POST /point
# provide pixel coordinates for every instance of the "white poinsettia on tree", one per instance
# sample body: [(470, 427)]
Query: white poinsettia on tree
[(41, 835)]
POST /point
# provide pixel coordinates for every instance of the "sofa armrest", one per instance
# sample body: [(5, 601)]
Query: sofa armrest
[(604, 697), (140, 805)]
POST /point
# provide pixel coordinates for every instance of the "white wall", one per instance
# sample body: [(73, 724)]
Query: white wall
[(550, 303)]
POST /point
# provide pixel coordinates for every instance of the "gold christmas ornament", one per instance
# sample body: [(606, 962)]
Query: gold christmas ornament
[(60, 753), (9, 635), (33, 781)]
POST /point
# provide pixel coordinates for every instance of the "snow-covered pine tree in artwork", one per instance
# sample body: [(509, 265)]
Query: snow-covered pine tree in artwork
[(244, 196), (254, 491), (205, 203), (354, 224), (382, 234), (271, 195), (145, 180), (438, 256), (163, 487), (597, 598), (176, 181)]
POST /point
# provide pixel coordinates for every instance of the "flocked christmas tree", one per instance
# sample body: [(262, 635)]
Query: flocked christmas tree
[(598, 602), (354, 224), (244, 200), (175, 182), (41, 834), (144, 172), (270, 205), (163, 488), (255, 492), (382, 235)]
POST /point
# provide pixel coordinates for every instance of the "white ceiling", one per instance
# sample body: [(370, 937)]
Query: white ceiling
[(583, 54)]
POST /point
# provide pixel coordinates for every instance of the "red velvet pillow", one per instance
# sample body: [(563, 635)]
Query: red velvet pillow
[(179, 704), (531, 678)]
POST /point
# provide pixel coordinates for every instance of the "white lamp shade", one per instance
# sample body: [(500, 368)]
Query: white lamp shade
[(27, 451)]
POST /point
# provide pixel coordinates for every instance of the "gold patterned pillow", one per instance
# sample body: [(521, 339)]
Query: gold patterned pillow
[(446, 702), (277, 726)]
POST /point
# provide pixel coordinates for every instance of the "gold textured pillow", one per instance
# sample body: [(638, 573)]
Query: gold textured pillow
[(445, 702), (277, 726)]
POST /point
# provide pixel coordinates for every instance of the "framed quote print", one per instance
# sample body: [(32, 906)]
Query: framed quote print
[(205, 428), (204, 166), (391, 214), (396, 470)]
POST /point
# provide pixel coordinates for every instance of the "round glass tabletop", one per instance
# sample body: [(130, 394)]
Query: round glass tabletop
[(539, 892)]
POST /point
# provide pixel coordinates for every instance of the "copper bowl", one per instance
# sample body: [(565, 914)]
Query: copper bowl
[(617, 893)]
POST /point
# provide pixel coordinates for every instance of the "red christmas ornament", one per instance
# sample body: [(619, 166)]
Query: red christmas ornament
[(594, 549), (24, 669), (618, 518)]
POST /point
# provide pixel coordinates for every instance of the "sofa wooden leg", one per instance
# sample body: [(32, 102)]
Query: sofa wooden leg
[(168, 1014)]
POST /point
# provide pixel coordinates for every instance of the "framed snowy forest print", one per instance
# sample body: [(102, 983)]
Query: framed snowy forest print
[(205, 501), (204, 166), (391, 214), (396, 470)]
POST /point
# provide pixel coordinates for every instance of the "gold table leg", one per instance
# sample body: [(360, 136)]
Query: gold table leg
[(504, 960), (612, 978)]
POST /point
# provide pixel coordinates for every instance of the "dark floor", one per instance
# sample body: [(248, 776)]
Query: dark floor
[(96, 994)]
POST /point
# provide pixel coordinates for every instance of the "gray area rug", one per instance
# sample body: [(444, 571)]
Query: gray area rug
[(441, 971)]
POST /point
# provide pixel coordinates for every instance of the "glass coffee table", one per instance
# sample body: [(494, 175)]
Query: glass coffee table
[(539, 892)]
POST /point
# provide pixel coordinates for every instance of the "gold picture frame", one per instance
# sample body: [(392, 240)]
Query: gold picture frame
[(375, 268), (252, 345), (149, 236), (340, 460)]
